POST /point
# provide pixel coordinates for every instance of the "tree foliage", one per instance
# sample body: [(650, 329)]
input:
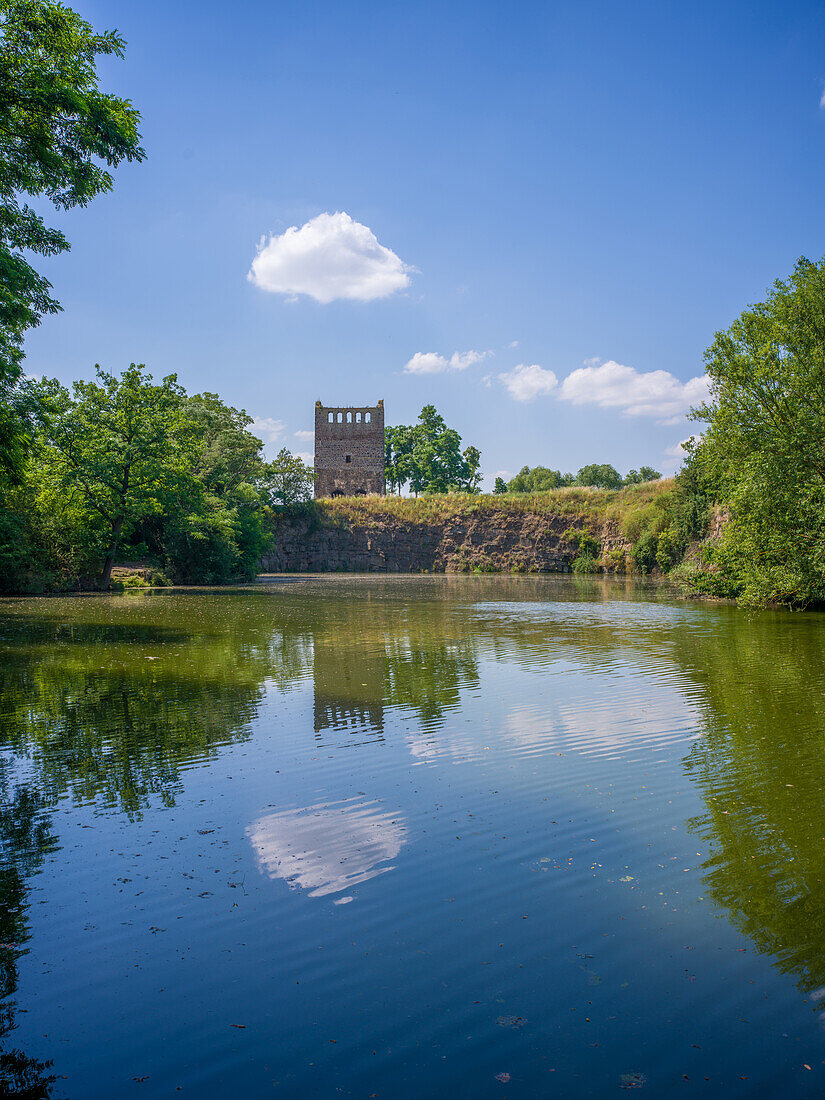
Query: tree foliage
[(428, 456), (640, 476), (123, 445), (538, 480), (227, 453), (59, 136), (602, 476), (123, 468), (288, 479), (218, 531), (764, 450)]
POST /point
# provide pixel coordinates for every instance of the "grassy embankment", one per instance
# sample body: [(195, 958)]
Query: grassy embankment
[(638, 529), (576, 503)]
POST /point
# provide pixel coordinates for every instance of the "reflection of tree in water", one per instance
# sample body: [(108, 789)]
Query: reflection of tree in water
[(370, 656), (759, 684), (109, 701), (428, 678), (761, 769), (109, 717), (111, 711), (24, 841)]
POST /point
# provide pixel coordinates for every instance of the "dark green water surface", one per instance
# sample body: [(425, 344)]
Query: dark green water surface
[(395, 838)]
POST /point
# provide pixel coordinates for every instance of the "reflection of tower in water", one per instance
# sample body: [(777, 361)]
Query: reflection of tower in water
[(350, 682)]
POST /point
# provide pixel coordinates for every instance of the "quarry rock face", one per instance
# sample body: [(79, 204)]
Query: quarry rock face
[(490, 541)]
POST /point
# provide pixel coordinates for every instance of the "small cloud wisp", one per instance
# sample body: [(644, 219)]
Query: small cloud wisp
[(525, 383), (429, 362)]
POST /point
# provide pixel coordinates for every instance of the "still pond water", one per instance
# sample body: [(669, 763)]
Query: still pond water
[(411, 837)]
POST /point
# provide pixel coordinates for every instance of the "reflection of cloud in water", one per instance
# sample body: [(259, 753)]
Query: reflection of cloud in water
[(607, 717), (329, 847), (611, 612), (609, 726)]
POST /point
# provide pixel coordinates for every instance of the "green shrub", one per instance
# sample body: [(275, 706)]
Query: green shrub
[(703, 578), (644, 552), (636, 520), (616, 560), (584, 541), (128, 581), (667, 551), (585, 563)]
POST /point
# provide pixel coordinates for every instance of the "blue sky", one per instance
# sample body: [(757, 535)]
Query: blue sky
[(581, 187)]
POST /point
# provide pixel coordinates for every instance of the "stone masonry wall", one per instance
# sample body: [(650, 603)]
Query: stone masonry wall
[(349, 450)]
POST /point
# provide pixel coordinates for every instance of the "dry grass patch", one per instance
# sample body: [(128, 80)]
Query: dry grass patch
[(575, 503)]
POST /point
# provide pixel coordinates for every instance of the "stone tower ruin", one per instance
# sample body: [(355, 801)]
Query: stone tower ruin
[(349, 450)]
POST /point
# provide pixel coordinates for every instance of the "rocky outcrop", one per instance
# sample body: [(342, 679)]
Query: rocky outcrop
[(718, 520), (615, 548), (492, 540)]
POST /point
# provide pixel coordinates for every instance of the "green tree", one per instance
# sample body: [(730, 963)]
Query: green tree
[(644, 550), (436, 455), (643, 474), (123, 468), (500, 485), (59, 135), (538, 480), (647, 473), (398, 455), (124, 446), (288, 479), (471, 481), (765, 444), (227, 453), (218, 530), (428, 456), (600, 476)]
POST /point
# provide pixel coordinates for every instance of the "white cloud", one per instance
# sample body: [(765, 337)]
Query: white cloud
[(305, 457), (267, 429), (428, 362), (331, 256), (513, 343), (656, 393), (306, 435), (526, 383)]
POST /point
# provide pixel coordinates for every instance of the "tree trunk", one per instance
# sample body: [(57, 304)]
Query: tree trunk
[(110, 557)]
